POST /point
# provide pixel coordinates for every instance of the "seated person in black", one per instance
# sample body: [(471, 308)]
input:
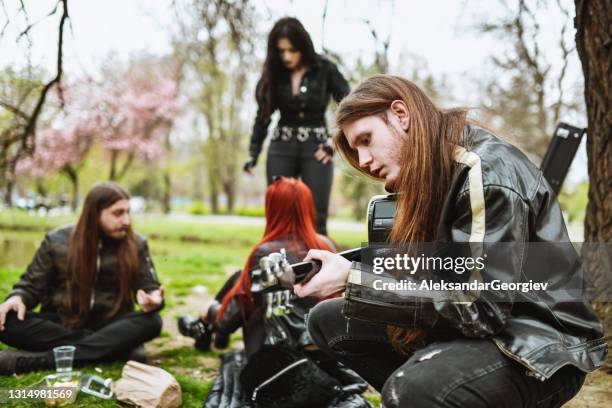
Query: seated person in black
[(290, 221), (85, 278), (290, 224)]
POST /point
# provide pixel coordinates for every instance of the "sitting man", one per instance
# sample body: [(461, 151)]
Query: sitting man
[(86, 278)]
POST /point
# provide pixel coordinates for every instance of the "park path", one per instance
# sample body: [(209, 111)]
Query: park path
[(575, 230), (333, 224)]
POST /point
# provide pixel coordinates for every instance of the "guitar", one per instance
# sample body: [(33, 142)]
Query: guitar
[(273, 282), (275, 278)]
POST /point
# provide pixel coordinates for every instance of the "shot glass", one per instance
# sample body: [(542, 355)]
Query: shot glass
[(64, 356)]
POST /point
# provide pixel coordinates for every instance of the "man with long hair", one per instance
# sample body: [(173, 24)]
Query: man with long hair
[(87, 279), (457, 184)]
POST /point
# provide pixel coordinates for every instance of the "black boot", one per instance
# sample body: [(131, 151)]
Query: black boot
[(221, 341), (196, 329), (19, 362)]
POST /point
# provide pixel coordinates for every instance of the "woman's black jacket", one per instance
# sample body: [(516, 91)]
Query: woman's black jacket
[(320, 81)]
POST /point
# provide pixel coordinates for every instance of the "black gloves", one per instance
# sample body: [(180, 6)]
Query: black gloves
[(248, 166)]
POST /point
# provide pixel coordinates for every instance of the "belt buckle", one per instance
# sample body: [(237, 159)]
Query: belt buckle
[(286, 133), (303, 133)]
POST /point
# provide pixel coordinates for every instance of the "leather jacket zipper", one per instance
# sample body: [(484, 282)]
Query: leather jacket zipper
[(275, 376), (534, 371), (92, 297)]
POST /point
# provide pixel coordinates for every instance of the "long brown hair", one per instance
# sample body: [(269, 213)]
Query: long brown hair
[(82, 263), (427, 166)]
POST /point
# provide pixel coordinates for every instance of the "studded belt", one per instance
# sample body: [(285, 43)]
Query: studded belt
[(301, 133)]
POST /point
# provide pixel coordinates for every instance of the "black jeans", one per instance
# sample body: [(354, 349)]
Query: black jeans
[(454, 373), (95, 342), (296, 159)]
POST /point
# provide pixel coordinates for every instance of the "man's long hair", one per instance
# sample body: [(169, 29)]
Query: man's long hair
[(82, 265), (290, 210), (294, 31), (427, 165)]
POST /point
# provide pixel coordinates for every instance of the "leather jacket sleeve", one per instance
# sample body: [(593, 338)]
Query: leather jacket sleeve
[(487, 221), (337, 84), (147, 276), (33, 282), (260, 127)]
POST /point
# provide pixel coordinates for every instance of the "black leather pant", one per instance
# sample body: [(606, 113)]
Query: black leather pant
[(461, 372), (297, 159), (103, 341)]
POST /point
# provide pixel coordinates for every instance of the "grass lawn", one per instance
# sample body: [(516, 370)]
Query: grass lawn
[(187, 254)]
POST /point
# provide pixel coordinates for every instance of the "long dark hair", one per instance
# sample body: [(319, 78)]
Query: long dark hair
[(427, 166), (82, 263), (294, 31)]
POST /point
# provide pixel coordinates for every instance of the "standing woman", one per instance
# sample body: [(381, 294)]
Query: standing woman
[(298, 82)]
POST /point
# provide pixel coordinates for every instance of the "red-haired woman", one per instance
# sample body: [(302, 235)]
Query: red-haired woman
[(290, 224), (281, 369)]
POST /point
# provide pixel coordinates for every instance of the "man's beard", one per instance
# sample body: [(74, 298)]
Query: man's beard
[(118, 234)]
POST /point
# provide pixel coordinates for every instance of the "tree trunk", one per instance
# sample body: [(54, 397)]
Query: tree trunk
[(594, 45), (198, 181), (166, 199), (166, 207), (73, 176), (214, 201), (124, 169), (40, 188), (112, 175), (8, 193), (230, 193)]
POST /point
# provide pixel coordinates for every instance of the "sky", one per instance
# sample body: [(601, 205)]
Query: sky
[(436, 35)]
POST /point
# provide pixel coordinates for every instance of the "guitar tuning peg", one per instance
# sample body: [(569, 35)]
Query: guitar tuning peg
[(277, 309), (269, 304)]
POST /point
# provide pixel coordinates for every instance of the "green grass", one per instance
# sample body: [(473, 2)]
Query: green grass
[(186, 253), (160, 227)]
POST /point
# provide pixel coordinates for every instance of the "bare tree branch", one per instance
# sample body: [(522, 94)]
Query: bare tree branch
[(14, 109), (24, 132), (31, 126), (6, 24), (26, 32), (323, 19)]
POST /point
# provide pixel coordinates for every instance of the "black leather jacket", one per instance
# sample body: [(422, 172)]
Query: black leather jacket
[(293, 323), (320, 81), (44, 281), (499, 200)]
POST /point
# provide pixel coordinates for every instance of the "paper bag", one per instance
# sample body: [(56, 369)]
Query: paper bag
[(147, 386)]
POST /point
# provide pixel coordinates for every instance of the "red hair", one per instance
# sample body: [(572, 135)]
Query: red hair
[(290, 209)]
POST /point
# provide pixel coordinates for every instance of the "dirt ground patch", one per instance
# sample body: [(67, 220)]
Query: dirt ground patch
[(595, 393)]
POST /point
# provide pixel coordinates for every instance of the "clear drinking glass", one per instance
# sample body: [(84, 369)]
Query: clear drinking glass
[(64, 356)]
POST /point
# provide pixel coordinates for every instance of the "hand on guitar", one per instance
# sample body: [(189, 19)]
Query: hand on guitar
[(329, 280)]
